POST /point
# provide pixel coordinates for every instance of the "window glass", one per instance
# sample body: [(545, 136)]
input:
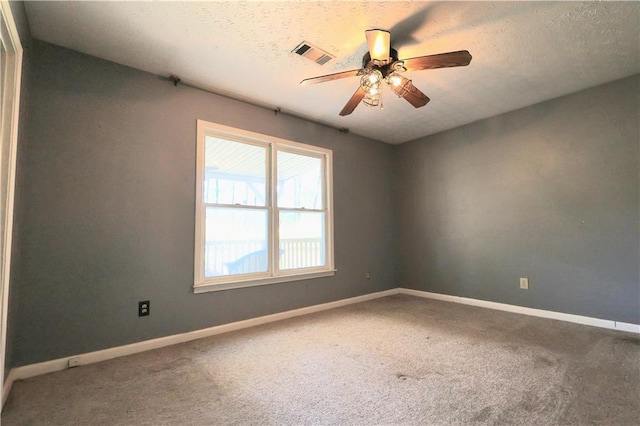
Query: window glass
[(236, 241), (235, 173), (299, 181), (302, 242)]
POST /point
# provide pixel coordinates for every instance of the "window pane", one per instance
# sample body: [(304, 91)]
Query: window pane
[(234, 173), (299, 181), (302, 242), (235, 241)]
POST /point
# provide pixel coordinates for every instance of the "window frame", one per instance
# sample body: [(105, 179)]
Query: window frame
[(273, 274)]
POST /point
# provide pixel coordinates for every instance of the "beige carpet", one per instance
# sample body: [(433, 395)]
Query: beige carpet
[(397, 360)]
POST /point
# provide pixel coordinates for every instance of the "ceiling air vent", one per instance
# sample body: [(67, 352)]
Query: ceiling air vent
[(313, 53)]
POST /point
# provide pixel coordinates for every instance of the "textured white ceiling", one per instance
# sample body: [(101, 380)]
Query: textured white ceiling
[(523, 52)]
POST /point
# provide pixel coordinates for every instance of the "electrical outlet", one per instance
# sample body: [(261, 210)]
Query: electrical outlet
[(524, 283), (143, 308), (367, 275)]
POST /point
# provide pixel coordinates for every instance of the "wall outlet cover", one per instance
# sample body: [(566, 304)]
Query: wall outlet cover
[(144, 308)]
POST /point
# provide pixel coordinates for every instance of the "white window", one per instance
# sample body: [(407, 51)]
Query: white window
[(263, 210)]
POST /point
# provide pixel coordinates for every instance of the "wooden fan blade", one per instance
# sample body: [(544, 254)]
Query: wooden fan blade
[(379, 42), (329, 77), (411, 93), (442, 60), (353, 102)]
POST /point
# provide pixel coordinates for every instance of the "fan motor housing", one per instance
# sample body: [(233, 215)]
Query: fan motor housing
[(385, 68)]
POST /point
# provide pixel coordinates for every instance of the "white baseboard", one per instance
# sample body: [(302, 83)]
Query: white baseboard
[(7, 386), (32, 370), (578, 319), (625, 326)]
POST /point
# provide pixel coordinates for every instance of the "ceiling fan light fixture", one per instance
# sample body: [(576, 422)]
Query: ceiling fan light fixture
[(371, 81), (394, 79), (379, 42), (372, 100), (381, 63), (399, 66), (403, 88)]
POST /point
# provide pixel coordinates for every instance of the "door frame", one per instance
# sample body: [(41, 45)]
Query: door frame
[(11, 62)]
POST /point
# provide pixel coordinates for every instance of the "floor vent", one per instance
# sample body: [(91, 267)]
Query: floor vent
[(313, 53)]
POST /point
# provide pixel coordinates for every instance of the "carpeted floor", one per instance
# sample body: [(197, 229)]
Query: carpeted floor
[(396, 360)]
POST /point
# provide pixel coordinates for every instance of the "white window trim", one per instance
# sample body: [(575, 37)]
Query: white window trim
[(203, 284)]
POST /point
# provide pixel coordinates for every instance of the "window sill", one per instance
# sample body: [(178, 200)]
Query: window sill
[(207, 287)]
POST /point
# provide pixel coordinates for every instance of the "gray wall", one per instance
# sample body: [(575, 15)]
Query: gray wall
[(105, 210), (549, 192), (22, 22)]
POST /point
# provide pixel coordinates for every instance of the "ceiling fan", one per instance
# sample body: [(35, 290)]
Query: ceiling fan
[(381, 64)]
